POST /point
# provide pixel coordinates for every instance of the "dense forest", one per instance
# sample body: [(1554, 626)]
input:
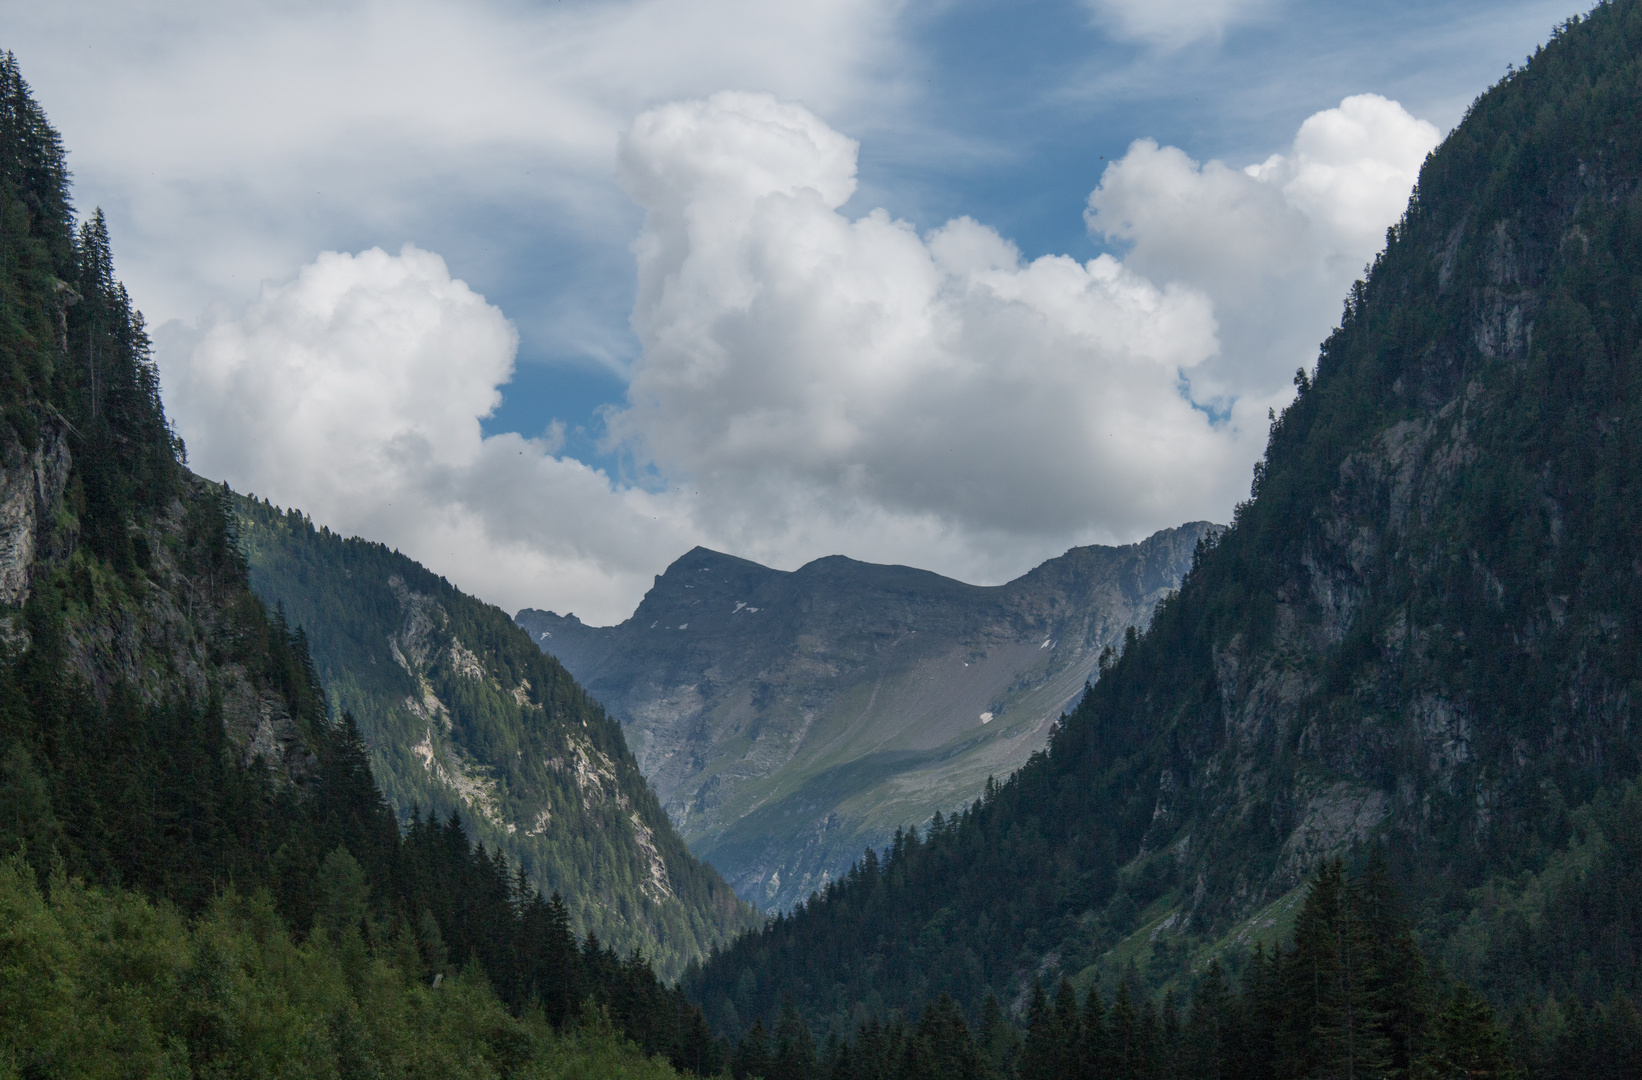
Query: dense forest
[(1351, 996), (200, 875), (462, 713), (1420, 636)]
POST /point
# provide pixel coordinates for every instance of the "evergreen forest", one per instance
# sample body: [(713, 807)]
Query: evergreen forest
[(1417, 640)]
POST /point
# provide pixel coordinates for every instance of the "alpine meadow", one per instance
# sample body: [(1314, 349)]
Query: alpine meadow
[(1347, 787)]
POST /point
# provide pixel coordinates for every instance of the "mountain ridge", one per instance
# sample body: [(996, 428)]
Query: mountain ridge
[(1419, 636), (790, 719), (463, 713)]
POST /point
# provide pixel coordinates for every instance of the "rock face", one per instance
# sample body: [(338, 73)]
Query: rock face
[(462, 713), (31, 497), (789, 720), (170, 630)]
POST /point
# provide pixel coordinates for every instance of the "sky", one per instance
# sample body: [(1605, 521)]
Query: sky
[(544, 294)]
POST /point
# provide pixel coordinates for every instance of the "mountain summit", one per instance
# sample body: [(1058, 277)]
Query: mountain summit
[(790, 719)]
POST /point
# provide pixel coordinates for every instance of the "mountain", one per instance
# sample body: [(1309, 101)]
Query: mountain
[(198, 875), (1420, 636), (463, 713), (788, 720)]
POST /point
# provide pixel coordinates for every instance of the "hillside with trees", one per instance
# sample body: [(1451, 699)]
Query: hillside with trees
[(462, 713), (1419, 637), (199, 875)]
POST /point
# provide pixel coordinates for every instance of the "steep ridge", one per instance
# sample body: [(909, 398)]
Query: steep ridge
[(1419, 635), (789, 720), (463, 713), (198, 876), (132, 653)]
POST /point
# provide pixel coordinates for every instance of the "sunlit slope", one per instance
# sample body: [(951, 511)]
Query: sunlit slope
[(788, 720), (462, 713)]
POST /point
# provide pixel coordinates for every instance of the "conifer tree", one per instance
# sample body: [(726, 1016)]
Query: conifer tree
[(794, 1056), (752, 1054)]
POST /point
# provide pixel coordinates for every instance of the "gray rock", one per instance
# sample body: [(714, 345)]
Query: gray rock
[(788, 720)]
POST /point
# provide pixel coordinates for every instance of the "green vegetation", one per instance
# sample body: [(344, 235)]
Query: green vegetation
[(462, 713), (103, 983), (200, 875), (1419, 636), (1350, 996)]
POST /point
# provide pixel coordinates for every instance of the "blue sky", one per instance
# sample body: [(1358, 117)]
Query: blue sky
[(537, 448), (1015, 108)]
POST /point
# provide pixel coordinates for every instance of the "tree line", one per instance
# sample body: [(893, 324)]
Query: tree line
[(1351, 996)]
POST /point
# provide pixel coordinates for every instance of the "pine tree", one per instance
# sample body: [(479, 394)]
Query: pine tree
[(752, 1054), (794, 1057), (1205, 1043), (1094, 1048), (1466, 1044), (942, 1047)]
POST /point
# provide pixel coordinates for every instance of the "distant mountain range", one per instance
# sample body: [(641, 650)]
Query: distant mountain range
[(788, 720)]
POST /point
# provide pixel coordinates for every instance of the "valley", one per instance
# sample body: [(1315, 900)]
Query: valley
[(1348, 787), (788, 721)]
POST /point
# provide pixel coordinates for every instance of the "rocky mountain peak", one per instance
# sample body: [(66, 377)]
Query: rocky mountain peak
[(788, 719)]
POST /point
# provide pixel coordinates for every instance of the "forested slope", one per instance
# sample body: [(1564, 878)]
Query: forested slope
[(463, 713), (199, 875), (1420, 635)]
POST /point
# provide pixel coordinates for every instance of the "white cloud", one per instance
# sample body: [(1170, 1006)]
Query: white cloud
[(796, 359), (812, 383), (355, 392), (1172, 23), (229, 141), (1277, 244)]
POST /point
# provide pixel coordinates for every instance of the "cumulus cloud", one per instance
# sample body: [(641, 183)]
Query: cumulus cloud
[(794, 358), (356, 390), (1277, 244), (813, 382), (1172, 23)]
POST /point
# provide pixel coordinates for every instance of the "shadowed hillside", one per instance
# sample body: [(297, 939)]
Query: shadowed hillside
[(1420, 635)]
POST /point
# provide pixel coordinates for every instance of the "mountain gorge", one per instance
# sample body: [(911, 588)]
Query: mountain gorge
[(788, 720), (1418, 637), (463, 714)]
